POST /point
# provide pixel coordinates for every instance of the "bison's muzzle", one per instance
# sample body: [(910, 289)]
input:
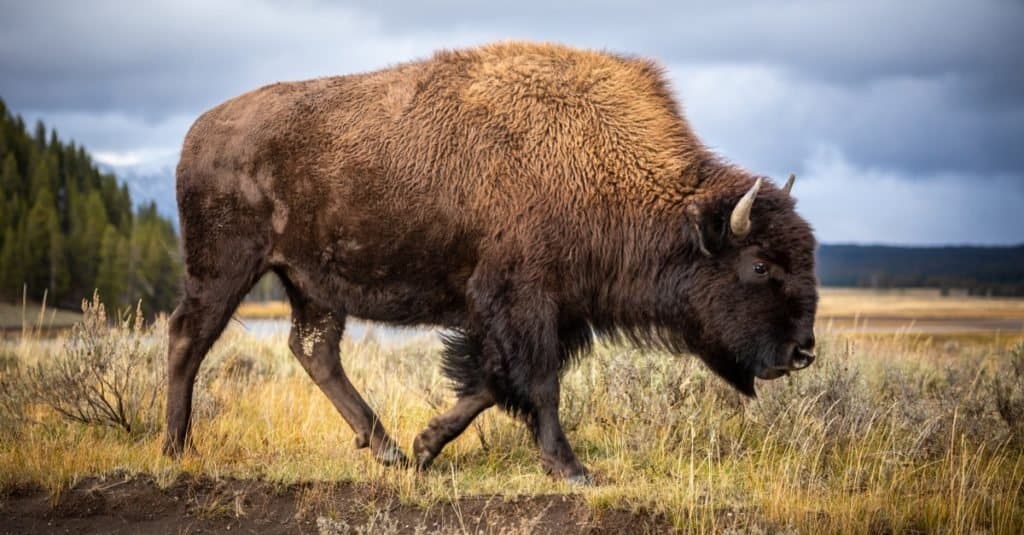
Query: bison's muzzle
[(796, 358)]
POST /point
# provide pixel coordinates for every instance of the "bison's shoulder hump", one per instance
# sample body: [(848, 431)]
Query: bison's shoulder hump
[(562, 75)]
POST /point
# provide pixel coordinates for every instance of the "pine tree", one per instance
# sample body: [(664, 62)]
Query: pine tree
[(40, 135), (42, 177), (155, 270), (12, 267), (57, 210), (47, 270), (88, 221), (10, 179), (112, 275)]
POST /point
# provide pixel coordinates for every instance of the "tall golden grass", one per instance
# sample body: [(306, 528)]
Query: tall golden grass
[(884, 433)]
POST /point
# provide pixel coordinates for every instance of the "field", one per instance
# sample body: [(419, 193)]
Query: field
[(894, 429), (16, 318)]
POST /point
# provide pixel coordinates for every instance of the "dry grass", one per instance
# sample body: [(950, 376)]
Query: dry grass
[(835, 302), (885, 433), (264, 310), (920, 304)]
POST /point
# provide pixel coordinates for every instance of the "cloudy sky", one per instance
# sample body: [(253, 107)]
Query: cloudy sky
[(904, 121)]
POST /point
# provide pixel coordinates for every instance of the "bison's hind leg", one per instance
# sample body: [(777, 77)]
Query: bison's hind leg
[(314, 339), (462, 363), (209, 302)]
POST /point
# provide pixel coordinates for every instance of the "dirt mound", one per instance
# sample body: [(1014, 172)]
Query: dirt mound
[(138, 505)]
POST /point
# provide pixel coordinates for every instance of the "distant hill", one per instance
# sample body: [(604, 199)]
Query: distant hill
[(977, 270)]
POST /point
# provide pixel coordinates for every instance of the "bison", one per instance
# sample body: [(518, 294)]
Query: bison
[(524, 197)]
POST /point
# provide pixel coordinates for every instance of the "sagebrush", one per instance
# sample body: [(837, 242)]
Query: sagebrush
[(884, 434)]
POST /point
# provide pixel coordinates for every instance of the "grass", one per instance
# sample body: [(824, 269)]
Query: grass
[(904, 433), (918, 304), (264, 310)]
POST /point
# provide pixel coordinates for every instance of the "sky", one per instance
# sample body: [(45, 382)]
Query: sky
[(904, 121)]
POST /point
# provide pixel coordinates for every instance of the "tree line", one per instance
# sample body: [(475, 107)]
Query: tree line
[(995, 271), (68, 229)]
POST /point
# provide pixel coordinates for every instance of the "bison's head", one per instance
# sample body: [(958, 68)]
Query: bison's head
[(751, 295)]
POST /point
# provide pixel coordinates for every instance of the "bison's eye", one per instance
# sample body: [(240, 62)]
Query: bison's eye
[(760, 268)]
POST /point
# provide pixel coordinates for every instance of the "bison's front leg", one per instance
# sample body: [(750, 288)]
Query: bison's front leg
[(555, 451), (523, 356)]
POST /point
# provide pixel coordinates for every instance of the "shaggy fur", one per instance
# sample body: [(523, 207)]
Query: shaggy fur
[(524, 195)]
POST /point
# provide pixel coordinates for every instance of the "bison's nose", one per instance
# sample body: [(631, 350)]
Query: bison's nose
[(802, 358)]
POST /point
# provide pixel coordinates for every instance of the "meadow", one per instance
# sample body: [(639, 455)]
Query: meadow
[(890, 431)]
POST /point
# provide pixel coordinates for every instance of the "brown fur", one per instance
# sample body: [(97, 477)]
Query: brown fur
[(524, 195)]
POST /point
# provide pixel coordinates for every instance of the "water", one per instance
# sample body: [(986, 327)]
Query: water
[(354, 330)]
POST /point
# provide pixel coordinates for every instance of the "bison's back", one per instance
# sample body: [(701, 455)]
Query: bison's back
[(390, 187), (480, 130)]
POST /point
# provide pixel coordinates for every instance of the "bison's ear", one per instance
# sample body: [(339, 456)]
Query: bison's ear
[(708, 229)]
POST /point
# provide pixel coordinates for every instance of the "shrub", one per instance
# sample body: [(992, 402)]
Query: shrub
[(1008, 390), (103, 374)]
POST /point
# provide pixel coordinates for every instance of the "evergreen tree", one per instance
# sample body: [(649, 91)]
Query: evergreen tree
[(10, 214), (69, 228), (155, 268), (42, 178), (12, 268), (88, 223), (10, 179), (45, 264), (112, 275), (40, 135)]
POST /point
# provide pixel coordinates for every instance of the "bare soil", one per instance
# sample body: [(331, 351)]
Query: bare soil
[(138, 505)]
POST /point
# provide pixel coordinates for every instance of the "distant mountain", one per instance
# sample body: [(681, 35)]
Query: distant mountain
[(979, 270), (149, 184)]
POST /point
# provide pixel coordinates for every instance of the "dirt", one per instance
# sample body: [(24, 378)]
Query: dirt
[(138, 505)]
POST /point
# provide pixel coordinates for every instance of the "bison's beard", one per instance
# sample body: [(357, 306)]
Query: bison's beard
[(733, 370)]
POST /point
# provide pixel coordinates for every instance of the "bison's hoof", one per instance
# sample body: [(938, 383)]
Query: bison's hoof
[(390, 455), (171, 450), (176, 450), (424, 457), (583, 479)]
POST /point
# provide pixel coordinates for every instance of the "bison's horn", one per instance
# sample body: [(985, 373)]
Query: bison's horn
[(739, 222), (788, 188)]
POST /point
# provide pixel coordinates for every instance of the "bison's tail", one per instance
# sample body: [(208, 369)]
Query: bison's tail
[(462, 361)]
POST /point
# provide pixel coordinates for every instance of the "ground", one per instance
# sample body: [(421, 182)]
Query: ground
[(894, 429), (127, 504)]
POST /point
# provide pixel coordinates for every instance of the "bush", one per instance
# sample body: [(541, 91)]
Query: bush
[(110, 375), (1008, 387)]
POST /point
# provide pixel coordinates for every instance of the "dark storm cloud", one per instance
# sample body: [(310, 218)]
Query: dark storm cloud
[(913, 93)]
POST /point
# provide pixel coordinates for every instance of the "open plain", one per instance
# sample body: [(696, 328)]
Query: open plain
[(912, 420)]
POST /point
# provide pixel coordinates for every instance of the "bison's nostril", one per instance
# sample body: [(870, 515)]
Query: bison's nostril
[(802, 358)]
